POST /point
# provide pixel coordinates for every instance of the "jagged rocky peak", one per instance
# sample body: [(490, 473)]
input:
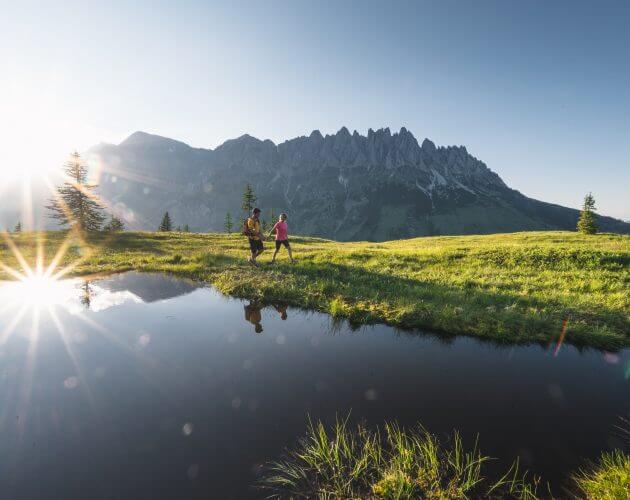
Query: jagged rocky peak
[(316, 135), (343, 132), (428, 146), (407, 138)]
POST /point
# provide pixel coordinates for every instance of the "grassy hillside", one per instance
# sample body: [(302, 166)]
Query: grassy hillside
[(509, 287)]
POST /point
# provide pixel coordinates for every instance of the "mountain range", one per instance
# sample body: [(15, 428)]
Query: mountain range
[(344, 186)]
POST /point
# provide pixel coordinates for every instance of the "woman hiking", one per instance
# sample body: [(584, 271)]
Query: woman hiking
[(282, 237)]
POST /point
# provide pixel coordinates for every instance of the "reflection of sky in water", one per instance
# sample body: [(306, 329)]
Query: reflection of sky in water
[(143, 386), (69, 294)]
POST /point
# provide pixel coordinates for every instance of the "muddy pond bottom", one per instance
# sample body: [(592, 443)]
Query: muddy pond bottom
[(144, 386)]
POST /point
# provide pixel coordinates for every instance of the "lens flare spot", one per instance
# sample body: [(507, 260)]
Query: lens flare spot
[(71, 383), (79, 337), (611, 358), (144, 340), (556, 392), (193, 471), (371, 394)]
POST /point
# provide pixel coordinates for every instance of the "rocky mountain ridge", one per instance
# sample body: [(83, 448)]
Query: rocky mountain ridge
[(344, 186)]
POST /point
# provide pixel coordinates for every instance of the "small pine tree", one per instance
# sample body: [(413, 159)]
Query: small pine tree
[(272, 221), (249, 199), (178, 229), (75, 204), (86, 298), (186, 228), (586, 223), (228, 224), (115, 225), (18, 227), (166, 224)]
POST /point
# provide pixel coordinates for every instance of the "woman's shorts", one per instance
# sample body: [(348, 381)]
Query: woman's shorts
[(256, 245), (282, 242)]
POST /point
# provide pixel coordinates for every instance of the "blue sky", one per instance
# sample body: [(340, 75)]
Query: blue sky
[(539, 90)]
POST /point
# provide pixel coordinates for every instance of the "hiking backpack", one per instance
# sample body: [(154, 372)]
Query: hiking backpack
[(245, 228)]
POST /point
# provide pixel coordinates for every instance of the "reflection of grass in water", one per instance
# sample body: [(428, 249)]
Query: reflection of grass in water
[(623, 429), (393, 463), (506, 287), (607, 480)]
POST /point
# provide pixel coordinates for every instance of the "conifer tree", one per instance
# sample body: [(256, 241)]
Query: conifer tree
[(86, 298), (115, 225), (166, 224), (228, 224), (186, 228), (18, 227), (272, 220), (586, 223), (178, 229), (76, 205), (249, 199)]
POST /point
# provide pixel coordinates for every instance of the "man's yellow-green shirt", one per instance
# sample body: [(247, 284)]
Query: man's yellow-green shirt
[(254, 227)]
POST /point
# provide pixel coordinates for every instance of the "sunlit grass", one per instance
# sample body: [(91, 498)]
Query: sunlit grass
[(391, 463), (520, 287), (607, 480)]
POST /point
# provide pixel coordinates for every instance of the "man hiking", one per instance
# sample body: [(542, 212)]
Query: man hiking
[(252, 229)]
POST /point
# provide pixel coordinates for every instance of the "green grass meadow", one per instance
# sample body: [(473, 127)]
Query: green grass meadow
[(518, 287)]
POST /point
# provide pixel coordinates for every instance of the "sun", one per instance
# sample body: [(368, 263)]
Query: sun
[(39, 132), (37, 291)]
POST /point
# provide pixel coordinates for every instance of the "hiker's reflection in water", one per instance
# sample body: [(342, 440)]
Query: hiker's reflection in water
[(252, 314), (282, 309)]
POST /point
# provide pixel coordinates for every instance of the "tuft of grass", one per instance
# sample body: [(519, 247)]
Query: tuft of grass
[(392, 463), (607, 480), (509, 288)]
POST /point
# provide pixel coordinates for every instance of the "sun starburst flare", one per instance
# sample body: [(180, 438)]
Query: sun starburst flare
[(37, 294)]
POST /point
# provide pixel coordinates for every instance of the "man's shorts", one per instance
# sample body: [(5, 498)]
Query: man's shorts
[(256, 245), (282, 242)]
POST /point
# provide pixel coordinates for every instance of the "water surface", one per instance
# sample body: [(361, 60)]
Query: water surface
[(145, 386)]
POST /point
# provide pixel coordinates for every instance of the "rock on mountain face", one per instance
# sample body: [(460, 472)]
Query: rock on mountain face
[(343, 186)]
